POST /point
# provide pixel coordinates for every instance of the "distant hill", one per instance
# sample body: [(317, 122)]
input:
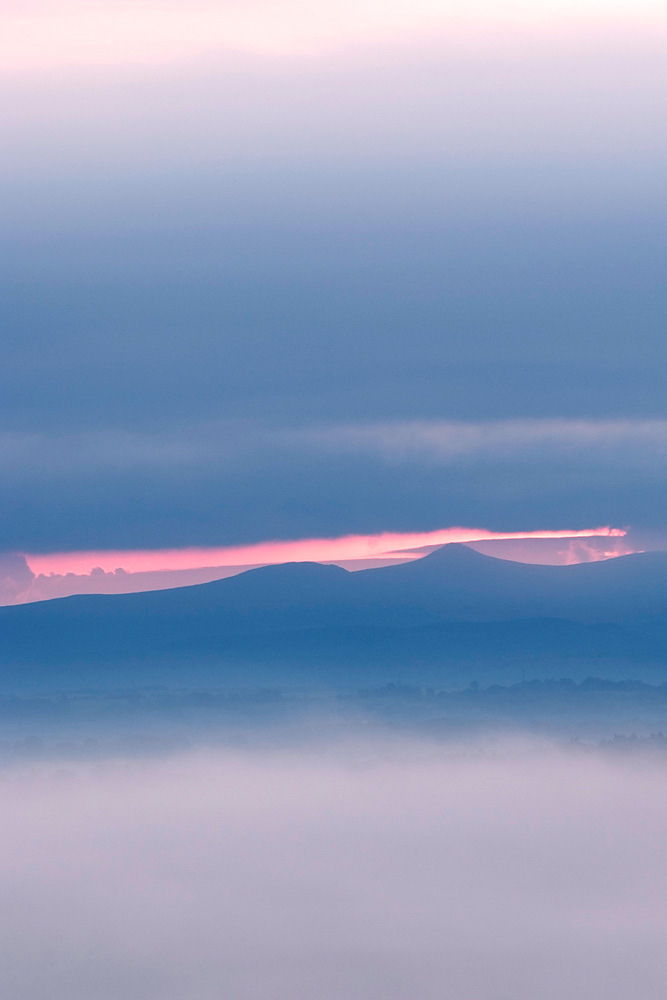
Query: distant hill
[(453, 614)]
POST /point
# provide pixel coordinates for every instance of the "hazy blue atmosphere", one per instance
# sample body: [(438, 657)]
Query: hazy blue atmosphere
[(333, 466), (230, 283)]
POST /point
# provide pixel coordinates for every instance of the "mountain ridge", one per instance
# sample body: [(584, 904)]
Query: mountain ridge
[(311, 614)]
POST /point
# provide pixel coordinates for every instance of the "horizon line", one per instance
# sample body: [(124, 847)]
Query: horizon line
[(383, 545)]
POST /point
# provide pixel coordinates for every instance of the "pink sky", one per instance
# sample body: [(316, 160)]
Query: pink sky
[(307, 549), (38, 35)]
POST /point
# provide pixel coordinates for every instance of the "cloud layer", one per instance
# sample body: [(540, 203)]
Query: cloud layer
[(371, 869), (321, 278), (215, 485)]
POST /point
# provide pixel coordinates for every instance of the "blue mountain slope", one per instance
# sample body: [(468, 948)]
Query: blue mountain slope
[(306, 616), (456, 582)]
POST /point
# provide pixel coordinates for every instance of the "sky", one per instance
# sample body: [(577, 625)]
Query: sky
[(341, 281), (291, 271)]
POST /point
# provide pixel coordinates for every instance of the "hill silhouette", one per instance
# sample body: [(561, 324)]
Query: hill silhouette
[(454, 609)]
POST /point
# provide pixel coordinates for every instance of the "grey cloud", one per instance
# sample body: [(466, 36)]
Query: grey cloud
[(16, 577), (634, 442), (43, 455), (329, 321), (231, 482), (373, 869), (251, 248)]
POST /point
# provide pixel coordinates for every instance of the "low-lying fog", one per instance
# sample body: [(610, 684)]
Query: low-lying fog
[(375, 869)]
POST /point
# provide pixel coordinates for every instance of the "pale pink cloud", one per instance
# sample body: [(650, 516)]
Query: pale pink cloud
[(70, 33), (562, 552), (348, 547)]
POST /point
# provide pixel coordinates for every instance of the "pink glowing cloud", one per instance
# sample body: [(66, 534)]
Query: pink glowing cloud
[(388, 545), (38, 35)]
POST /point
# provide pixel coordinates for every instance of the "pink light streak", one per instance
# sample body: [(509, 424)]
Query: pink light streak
[(387, 545)]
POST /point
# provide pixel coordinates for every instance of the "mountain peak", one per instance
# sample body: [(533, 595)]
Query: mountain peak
[(456, 553), (452, 549)]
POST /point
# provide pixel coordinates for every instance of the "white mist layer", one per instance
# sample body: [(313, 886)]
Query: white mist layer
[(360, 874)]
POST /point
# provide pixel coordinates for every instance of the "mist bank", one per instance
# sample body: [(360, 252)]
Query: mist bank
[(89, 725), (373, 868)]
